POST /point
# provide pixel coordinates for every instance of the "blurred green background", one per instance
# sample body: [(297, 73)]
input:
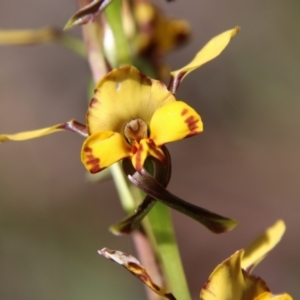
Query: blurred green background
[(246, 164)]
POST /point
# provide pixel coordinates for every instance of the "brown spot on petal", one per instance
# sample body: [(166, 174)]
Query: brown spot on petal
[(139, 165), (87, 149), (91, 161), (134, 149), (155, 286), (144, 79), (161, 84), (206, 285), (184, 111), (192, 123), (158, 154), (93, 101), (134, 266)]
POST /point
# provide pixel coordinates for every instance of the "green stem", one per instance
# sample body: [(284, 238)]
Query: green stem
[(124, 192), (159, 227), (113, 15)]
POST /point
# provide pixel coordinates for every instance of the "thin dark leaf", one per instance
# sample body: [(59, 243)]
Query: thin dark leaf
[(212, 221), (162, 174), (132, 222)]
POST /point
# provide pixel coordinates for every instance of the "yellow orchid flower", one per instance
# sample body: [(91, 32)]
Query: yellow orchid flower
[(231, 280), (132, 115)]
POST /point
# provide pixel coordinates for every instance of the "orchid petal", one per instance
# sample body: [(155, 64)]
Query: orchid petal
[(102, 149), (228, 281), (140, 156), (174, 121), (122, 95), (87, 14), (130, 263), (257, 251), (210, 51), (269, 296), (27, 135)]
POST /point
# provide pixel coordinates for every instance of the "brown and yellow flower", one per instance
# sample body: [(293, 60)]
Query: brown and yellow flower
[(232, 279), (132, 115)]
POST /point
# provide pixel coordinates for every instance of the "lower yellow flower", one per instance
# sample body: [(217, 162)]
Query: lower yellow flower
[(231, 280)]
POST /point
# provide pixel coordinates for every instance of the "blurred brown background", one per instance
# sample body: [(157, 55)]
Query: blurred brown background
[(245, 165)]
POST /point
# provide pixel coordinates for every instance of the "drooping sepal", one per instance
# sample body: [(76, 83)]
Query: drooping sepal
[(162, 173), (148, 184), (131, 264), (132, 222)]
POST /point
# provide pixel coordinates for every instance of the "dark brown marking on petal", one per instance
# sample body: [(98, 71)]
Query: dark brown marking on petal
[(184, 111), (192, 123), (91, 161), (206, 285), (87, 149), (159, 155), (139, 165), (145, 79), (95, 169), (95, 91), (93, 101), (134, 149), (156, 286), (161, 84), (134, 266)]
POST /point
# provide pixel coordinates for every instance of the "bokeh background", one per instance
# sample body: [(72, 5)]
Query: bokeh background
[(245, 165)]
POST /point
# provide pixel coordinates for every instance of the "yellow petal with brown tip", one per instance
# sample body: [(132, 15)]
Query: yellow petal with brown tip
[(174, 121), (102, 149)]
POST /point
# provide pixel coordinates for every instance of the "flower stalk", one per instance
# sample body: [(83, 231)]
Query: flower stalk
[(159, 226)]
